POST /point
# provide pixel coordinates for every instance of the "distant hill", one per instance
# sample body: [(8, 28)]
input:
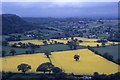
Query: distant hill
[(14, 24)]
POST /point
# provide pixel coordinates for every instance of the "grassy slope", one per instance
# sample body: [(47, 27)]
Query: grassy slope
[(89, 62)]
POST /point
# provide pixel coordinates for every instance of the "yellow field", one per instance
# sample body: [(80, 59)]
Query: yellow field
[(86, 41), (11, 63), (37, 42), (89, 62)]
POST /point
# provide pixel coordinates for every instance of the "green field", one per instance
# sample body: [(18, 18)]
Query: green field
[(55, 47), (18, 50), (112, 50)]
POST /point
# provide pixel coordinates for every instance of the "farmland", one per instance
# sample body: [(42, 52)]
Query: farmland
[(54, 47), (89, 62), (86, 41), (73, 46), (112, 50)]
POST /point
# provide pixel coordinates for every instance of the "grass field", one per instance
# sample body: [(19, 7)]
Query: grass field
[(18, 50), (89, 62), (112, 50), (54, 47)]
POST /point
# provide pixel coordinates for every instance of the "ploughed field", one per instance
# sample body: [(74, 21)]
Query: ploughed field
[(88, 63)]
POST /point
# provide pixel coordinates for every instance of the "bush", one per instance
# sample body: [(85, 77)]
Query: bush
[(80, 41), (60, 75), (118, 61), (102, 40), (56, 70), (108, 56)]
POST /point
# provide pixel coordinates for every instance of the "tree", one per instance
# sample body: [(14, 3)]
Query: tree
[(72, 38), (32, 50), (105, 55), (73, 44), (55, 42), (76, 57), (45, 67), (24, 67), (45, 43), (19, 37), (80, 41), (98, 45), (103, 43), (56, 70), (70, 44), (26, 52), (52, 41), (12, 51), (48, 53), (118, 61), (108, 56), (14, 45), (20, 43), (5, 43), (3, 53), (96, 76)]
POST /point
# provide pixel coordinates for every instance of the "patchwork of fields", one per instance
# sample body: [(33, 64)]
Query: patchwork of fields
[(89, 62), (86, 41)]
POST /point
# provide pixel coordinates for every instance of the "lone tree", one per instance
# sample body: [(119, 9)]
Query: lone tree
[(12, 51), (24, 67), (47, 54), (76, 57), (45, 67)]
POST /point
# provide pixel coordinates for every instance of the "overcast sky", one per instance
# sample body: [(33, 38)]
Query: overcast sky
[(62, 9), (60, 0)]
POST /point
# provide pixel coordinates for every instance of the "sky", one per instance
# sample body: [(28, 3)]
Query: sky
[(60, 0), (62, 9)]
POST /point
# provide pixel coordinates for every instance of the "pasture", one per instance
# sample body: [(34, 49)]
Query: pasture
[(112, 50)]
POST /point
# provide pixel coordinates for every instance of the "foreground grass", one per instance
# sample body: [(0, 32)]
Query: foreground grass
[(88, 64)]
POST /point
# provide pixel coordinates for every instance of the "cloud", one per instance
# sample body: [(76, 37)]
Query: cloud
[(60, 0), (62, 9)]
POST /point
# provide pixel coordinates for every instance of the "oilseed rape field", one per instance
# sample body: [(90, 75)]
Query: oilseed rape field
[(88, 63), (86, 41)]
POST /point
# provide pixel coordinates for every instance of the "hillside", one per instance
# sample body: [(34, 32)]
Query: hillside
[(14, 24)]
